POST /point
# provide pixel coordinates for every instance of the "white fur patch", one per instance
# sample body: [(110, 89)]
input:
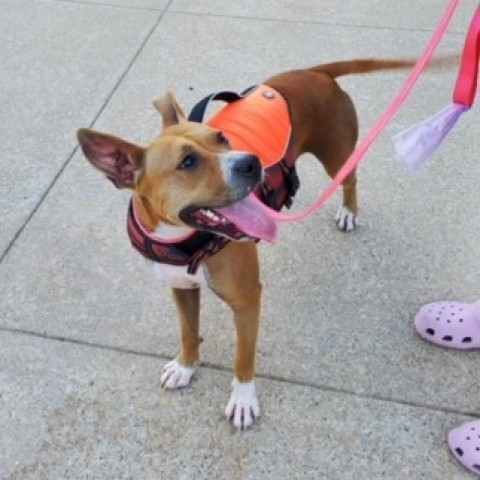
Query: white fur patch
[(345, 219), (243, 406), (226, 163), (175, 375), (178, 277), (172, 232)]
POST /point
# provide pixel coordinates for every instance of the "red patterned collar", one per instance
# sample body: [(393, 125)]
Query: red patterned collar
[(189, 251)]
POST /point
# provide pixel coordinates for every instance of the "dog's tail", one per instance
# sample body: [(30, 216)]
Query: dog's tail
[(349, 67)]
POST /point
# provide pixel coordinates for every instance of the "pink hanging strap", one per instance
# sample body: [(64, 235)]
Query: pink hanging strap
[(466, 86), (360, 152)]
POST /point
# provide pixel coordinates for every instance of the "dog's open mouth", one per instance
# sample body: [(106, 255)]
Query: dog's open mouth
[(213, 221), (243, 220)]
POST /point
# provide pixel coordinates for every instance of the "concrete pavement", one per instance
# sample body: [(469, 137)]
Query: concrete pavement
[(348, 391)]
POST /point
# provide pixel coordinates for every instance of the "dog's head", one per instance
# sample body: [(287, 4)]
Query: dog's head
[(185, 176)]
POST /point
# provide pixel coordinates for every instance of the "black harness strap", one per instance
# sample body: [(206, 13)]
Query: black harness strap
[(198, 111)]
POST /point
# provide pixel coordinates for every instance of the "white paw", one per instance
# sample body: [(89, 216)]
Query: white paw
[(243, 407), (176, 376), (345, 219)]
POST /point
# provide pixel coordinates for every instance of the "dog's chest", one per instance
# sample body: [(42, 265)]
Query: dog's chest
[(177, 276)]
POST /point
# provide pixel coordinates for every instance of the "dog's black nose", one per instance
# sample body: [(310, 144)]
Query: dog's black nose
[(248, 166)]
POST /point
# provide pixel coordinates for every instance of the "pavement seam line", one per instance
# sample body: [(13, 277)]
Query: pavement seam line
[(221, 368), (117, 84), (109, 5), (306, 22)]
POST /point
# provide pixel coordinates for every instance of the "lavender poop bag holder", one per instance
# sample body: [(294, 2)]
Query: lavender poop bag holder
[(414, 146)]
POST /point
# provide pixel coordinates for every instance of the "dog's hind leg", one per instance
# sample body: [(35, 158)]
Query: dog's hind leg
[(346, 217), (179, 372)]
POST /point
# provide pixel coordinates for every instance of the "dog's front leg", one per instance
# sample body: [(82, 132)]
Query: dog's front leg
[(179, 372), (243, 408), (234, 277)]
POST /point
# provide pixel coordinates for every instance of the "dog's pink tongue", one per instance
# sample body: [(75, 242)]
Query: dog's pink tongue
[(252, 217)]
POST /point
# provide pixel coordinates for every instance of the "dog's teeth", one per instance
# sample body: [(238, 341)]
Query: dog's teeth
[(210, 214)]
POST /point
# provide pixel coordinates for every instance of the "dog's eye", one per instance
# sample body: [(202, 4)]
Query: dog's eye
[(222, 139), (189, 162)]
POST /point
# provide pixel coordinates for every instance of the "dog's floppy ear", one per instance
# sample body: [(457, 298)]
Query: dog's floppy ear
[(118, 159), (170, 110)]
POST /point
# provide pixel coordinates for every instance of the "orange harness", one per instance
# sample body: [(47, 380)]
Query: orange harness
[(258, 121)]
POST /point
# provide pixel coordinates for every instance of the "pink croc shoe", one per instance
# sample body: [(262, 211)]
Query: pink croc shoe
[(450, 324), (464, 441)]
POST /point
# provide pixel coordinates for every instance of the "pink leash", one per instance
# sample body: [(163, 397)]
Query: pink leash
[(377, 129)]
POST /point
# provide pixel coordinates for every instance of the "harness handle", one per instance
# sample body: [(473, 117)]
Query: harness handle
[(198, 111), (466, 85)]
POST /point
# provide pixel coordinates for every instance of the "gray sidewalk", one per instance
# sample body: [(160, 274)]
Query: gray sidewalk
[(347, 389)]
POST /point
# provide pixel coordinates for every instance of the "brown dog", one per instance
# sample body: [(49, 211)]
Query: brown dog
[(182, 182)]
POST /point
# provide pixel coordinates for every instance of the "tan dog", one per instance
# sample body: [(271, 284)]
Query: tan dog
[(185, 177)]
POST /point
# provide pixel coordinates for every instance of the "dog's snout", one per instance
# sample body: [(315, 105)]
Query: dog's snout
[(247, 166), (242, 172)]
